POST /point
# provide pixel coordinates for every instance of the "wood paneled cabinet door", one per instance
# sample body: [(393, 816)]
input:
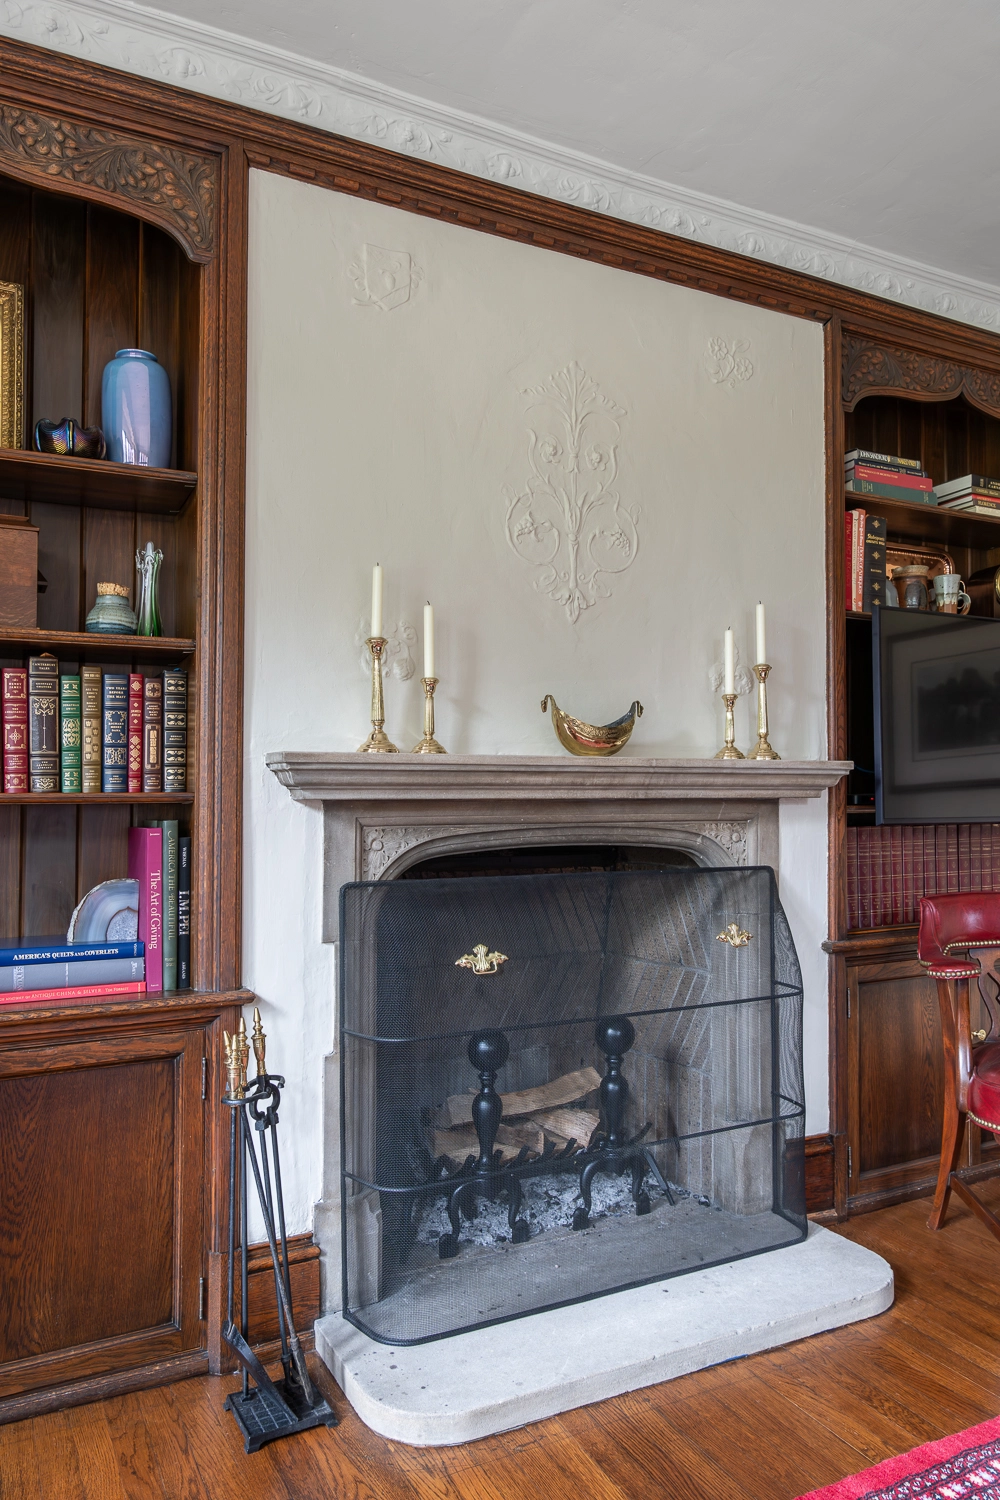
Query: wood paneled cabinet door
[(102, 1150)]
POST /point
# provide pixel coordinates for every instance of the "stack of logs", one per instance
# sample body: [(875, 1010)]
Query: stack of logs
[(551, 1115)]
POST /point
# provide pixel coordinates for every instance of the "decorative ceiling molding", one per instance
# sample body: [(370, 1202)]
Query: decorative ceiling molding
[(190, 55)]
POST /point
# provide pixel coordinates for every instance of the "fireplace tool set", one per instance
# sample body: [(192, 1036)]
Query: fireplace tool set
[(607, 1151), (267, 1409)]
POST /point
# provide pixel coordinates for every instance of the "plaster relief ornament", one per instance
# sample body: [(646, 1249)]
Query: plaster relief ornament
[(727, 363), (383, 278), (397, 658), (568, 523)]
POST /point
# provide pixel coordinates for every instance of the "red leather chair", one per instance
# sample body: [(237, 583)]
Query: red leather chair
[(959, 942)]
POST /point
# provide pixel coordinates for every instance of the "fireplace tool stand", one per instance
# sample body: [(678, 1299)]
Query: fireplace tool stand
[(609, 1151), (267, 1409)]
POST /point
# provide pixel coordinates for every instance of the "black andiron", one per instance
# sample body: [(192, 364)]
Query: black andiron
[(608, 1150), (268, 1409)]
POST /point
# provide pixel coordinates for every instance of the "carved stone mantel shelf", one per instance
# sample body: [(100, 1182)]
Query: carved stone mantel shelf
[(318, 776)]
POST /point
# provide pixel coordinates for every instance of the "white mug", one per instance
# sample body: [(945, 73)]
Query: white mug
[(949, 594)]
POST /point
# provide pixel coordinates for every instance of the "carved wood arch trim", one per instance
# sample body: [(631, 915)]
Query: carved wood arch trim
[(175, 189), (871, 369)]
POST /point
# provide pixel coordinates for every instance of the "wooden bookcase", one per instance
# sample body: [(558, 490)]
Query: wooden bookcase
[(112, 1134)]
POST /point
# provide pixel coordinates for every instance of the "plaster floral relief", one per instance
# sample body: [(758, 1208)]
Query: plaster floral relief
[(568, 523), (397, 658), (728, 364), (383, 278)]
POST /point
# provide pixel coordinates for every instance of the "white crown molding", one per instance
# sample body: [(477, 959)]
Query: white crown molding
[(190, 55)]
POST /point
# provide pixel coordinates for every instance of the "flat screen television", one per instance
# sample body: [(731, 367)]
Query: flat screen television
[(937, 717)]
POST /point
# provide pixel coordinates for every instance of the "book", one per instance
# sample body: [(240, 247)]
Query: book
[(114, 733), (974, 501), (73, 992), (152, 734), (135, 731), (14, 710), (58, 950), (184, 912), (889, 491), (70, 748), (969, 482), (145, 864), (889, 476), (91, 704), (854, 559), (883, 460), (43, 722), (168, 827), (874, 581), (58, 976), (175, 730)]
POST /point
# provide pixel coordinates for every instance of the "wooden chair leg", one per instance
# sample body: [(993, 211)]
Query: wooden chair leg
[(952, 1134)]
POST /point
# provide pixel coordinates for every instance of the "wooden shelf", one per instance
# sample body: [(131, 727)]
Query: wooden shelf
[(79, 643), (929, 523), (86, 481), (122, 799)]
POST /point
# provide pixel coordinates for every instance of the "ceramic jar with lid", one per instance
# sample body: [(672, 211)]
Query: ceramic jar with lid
[(111, 615)]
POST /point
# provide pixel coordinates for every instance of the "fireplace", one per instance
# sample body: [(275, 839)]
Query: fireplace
[(561, 1084)]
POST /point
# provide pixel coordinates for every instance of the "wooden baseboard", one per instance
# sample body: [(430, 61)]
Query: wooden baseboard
[(819, 1173), (99, 1387), (262, 1302)]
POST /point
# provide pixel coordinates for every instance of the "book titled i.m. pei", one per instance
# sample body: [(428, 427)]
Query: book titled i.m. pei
[(152, 734), (43, 722), (114, 733), (90, 715), (145, 864), (14, 711), (135, 731), (175, 730), (70, 749), (184, 912), (168, 827)]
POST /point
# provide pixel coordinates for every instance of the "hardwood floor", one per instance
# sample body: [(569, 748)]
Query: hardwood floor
[(764, 1428)]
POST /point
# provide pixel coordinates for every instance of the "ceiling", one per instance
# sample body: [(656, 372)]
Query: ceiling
[(872, 122)]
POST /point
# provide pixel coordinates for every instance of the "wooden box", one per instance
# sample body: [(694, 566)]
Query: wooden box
[(18, 573)]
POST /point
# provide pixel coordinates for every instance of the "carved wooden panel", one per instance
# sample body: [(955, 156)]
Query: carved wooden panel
[(870, 369), (175, 188)]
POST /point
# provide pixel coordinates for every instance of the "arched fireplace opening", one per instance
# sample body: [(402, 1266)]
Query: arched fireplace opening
[(555, 859)]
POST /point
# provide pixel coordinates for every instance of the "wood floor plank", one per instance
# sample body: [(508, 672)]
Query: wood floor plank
[(95, 1453), (132, 1441), (20, 1474)]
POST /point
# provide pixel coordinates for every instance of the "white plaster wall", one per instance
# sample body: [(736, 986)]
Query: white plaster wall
[(389, 435)]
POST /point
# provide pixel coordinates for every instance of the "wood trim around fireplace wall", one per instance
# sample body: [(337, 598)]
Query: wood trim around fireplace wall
[(45, 84)]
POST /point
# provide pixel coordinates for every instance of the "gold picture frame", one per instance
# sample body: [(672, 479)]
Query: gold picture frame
[(11, 364)]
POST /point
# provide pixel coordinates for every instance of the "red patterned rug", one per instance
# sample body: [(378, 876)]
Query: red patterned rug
[(965, 1466)]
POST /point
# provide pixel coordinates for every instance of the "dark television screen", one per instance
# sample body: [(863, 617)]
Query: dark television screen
[(937, 717)]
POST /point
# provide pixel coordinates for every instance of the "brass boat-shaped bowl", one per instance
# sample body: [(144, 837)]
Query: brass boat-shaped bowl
[(581, 738)]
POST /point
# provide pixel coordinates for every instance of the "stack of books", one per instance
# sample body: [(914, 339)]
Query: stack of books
[(888, 476), (52, 969), (974, 492), (889, 869), (865, 579), (93, 731)]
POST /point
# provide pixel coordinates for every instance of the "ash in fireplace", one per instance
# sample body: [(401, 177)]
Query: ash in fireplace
[(547, 1203)]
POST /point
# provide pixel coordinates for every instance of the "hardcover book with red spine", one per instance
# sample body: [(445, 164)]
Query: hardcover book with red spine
[(889, 476), (975, 857), (885, 870), (951, 854), (145, 864), (896, 875), (864, 879), (135, 731), (964, 863), (851, 860), (907, 862), (14, 712), (72, 992)]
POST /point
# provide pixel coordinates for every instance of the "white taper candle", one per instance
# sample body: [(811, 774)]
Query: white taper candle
[(761, 656), (428, 640), (377, 600), (730, 659)]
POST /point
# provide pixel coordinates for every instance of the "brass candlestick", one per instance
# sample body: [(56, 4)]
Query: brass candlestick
[(429, 745), (378, 741), (729, 750), (762, 750)]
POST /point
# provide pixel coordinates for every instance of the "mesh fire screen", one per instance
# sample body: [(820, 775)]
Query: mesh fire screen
[(556, 1086)]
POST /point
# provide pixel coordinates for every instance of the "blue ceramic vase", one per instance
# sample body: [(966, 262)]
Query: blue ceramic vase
[(135, 409)]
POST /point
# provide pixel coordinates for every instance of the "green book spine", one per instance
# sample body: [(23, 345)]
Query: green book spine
[(890, 491), (171, 870), (70, 747)]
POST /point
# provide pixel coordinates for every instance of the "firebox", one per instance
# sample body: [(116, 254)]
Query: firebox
[(560, 1085)]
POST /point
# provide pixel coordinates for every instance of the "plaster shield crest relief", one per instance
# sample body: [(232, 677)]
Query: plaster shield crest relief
[(383, 278), (207, 60), (728, 364), (568, 523)]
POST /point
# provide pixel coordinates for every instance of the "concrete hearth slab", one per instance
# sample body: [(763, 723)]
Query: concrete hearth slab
[(493, 1379)]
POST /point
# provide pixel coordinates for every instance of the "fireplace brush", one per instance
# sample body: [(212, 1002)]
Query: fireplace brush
[(266, 1409)]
